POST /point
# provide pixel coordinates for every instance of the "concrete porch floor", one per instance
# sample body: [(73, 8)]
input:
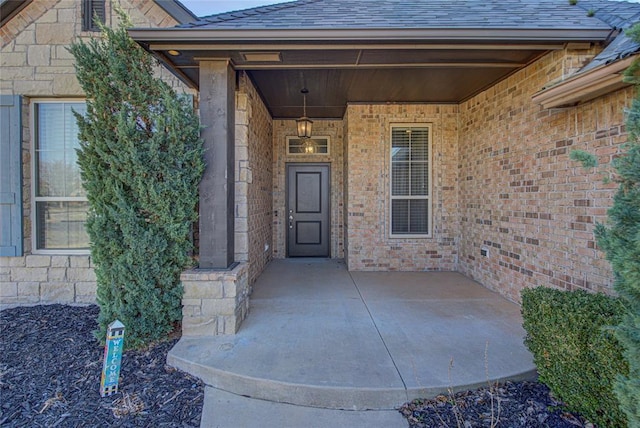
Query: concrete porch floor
[(322, 337)]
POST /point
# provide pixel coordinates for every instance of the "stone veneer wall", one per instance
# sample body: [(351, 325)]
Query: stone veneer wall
[(334, 129), (254, 179), (214, 302), (367, 148), (36, 64), (522, 198)]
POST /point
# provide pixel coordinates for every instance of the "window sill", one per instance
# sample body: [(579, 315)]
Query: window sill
[(61, 252)]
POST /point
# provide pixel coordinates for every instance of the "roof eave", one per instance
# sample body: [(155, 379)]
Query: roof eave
[(195, 35), (585, 86), (9, 9), (177, 10)]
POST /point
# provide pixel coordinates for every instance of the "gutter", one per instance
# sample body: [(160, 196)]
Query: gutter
[(585, 86), (477, 35)]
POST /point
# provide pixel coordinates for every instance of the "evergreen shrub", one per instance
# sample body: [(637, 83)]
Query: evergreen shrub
[(576, 353), (141, 162)]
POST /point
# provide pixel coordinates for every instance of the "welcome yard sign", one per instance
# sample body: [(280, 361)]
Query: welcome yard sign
[(112, 359)]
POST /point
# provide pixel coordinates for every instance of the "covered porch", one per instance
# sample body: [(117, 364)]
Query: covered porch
[(320, 336), (479, 191)]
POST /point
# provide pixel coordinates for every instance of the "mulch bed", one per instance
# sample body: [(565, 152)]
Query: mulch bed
[(512, 404), (50, 366)]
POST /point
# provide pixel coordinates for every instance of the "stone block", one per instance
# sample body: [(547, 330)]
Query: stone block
[(231, 324), (60, 66), (242, 152), (17, 261), (191, 308), (68, 16), (56, 67), (54, 33), (241, 101), (42, 87), (194, 275), (81, 275), (29, 274), (31, 289), (21, 73), (241, 225), (61, 52), (57, 292), (86, 288), (39, 55), (66, 84), (217, 307), (202, 289), (200, 326), (26, 38), (11, 59), (242, 118), (79, 261), (89, 299), (241, 243), (38, 261), (230, 288), (8, 289), (59, 261), (242, 210), (6, 86), (49, 16)]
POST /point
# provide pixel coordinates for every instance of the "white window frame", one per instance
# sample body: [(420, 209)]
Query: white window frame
[(429, 195), (34, 175), (319, 137)]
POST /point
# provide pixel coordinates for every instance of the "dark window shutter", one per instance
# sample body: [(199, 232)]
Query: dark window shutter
[(10, 176), (89, 8)]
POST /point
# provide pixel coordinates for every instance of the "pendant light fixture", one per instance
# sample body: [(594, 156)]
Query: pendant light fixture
[(304, 123)]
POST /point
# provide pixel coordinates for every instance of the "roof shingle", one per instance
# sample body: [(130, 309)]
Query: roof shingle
[(619, 15), (390, 14)]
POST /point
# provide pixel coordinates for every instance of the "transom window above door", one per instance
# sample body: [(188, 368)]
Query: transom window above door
[(308, 146), (410, 181)]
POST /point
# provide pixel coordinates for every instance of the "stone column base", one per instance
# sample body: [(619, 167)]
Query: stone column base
[(215, 302)]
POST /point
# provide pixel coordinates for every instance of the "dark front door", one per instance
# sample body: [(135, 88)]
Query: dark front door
[(308, 210)]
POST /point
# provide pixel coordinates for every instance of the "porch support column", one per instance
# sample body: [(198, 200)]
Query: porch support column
[(217, 114)]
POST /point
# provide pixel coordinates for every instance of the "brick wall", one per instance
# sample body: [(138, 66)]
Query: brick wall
[(36, 64), (367, 154), (522, 198), (254, 179), (333, 129)]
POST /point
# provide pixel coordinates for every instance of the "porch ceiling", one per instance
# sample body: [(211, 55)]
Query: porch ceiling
[(431, 65)]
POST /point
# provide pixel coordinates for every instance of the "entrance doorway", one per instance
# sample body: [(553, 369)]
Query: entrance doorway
[(308, 220)]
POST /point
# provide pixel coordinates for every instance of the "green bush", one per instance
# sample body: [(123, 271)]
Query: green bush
[(141, 162), (575, 351)]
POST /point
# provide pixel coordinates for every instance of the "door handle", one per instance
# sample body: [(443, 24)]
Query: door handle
[(290, 222)]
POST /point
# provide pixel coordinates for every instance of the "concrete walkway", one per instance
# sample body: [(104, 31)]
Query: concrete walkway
[(319, 337)]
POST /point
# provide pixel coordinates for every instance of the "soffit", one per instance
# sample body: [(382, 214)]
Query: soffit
[(338, 73)]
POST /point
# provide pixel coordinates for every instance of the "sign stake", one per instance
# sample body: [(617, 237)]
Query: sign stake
[(112, 359)]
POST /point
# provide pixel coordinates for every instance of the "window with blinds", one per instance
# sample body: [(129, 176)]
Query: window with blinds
[(91, 8), (60, 201), (410, 184)]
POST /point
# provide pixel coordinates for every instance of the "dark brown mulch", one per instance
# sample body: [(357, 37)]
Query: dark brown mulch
[(50, 367), (512, 405)]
